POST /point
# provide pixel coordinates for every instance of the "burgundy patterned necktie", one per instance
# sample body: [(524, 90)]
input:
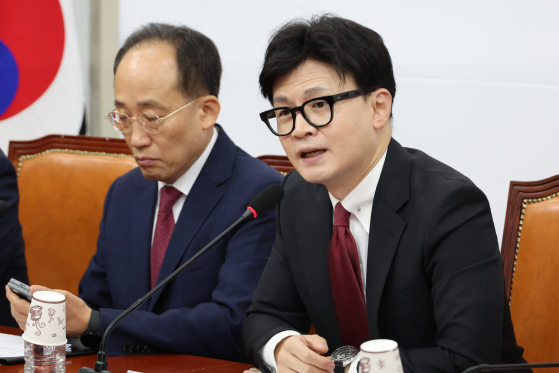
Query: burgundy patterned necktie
[(163, 229), (347, 285)]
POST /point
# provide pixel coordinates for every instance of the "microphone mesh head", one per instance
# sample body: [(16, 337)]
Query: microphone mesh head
[(267, 199)]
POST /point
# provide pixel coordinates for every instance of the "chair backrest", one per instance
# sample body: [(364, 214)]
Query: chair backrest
[(279, 162), (530, 250), (63, 181)]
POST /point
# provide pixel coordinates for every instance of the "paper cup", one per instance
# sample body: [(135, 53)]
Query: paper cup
[(380, 356), (46, 321)]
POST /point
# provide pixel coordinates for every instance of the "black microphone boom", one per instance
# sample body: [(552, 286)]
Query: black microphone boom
[(508, 367), (262, 203), (4, 208)]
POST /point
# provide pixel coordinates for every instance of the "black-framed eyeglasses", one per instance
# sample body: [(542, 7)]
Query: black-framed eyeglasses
[(319, 112)]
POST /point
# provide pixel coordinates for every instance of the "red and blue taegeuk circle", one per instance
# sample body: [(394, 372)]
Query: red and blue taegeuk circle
[(31, 49)]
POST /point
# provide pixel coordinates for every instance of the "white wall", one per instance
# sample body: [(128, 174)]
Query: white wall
[(478, 81)]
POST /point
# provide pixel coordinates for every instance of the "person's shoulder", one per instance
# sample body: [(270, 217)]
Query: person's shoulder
[(253, 168), (6, 165), (434, 182), (130, 179), (426, 168)]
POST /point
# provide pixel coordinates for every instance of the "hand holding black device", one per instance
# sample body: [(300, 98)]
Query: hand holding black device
[(21, 289)]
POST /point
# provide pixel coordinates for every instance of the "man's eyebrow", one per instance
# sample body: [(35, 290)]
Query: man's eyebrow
[(306, 92), (279, 99), (150, 103), (314, 89), (141, 103)]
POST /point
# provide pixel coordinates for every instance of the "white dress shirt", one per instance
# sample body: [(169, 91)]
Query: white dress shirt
[(359, 202), (185, 182)]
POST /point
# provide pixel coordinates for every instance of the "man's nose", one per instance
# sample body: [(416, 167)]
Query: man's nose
[(138, 137), (303, 127)]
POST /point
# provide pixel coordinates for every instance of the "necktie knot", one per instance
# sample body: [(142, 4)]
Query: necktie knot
[(169, 196), (341, 216)]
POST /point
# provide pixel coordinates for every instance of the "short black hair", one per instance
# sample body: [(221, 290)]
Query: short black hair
[(350, 48), (198, 60)]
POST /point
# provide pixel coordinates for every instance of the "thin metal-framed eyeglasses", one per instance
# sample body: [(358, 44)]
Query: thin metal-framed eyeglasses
[(150, 122), (318, 111)]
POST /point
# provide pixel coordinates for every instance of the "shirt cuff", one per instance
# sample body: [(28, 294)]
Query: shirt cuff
[(355, 363), (267, 352)]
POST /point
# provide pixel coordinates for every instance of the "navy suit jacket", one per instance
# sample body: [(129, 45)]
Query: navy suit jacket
[(201, 311), (434, 273), (12, 257)]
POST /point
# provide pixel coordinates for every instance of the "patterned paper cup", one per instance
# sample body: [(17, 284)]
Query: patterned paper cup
[(46, 321), (380, 355)]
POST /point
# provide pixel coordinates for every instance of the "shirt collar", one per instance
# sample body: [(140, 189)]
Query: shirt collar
[(359, 201), (185, 182)]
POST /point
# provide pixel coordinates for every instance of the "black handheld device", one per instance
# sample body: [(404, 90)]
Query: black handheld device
[(21, 289)]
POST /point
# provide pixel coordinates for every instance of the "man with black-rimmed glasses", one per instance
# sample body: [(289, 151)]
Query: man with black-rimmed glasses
[(374, 240)]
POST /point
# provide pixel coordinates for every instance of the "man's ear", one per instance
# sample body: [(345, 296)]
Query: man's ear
[(381, 101), (210, 108)]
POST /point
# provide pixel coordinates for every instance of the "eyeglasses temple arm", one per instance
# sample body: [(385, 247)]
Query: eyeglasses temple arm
[(348, 95), (179, 109)]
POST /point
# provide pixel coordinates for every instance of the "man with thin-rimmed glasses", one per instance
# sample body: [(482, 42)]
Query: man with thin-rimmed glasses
[(191, 184), (374, 240)]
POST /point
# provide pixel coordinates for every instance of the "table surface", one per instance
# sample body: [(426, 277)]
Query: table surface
[(141, 363)]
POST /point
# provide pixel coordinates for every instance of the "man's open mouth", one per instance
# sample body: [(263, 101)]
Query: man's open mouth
[(312, 153)]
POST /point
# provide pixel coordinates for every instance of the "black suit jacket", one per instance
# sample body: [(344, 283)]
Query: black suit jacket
[(12, 257), (434, 273)]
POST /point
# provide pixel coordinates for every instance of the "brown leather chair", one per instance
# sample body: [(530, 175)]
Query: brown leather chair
[(278, 162), (530, 250), (63, 181)]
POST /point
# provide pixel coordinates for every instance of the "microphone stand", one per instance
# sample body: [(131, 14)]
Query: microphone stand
[(101, 363)]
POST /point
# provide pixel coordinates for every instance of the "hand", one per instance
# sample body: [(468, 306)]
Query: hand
[(253, 370), (77, 312), (18, 306), (303, 353)]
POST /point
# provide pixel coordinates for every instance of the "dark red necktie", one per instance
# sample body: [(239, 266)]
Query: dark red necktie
[(163, 229), (347, 285)]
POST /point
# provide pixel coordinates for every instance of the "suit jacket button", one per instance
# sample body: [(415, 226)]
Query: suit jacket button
[(137, 349), (145, 349), (128, 349)]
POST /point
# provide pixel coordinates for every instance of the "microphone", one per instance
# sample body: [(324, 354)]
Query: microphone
[(264, 202), (4, 208), (507, 367), (261, 204)]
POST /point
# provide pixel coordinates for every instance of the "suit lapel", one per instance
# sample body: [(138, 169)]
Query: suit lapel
[(141, 232), (386, 226), (313, 222), (199, 204)]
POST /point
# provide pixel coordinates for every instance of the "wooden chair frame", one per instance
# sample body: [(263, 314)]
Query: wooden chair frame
[(91, 144), (279, 162), (521, 193)]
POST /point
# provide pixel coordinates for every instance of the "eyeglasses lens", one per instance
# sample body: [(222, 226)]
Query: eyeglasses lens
[(150, 122), (281, 121), (318, 112), (119, 121)]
